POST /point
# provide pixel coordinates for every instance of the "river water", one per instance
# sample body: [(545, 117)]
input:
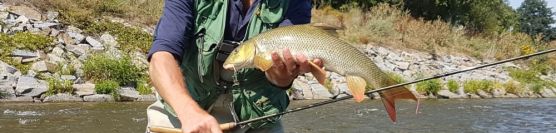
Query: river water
[(466, 115)]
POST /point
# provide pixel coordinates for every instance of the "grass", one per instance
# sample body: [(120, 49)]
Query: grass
[(431, 87), (453, 86), (128, 38), (473, 86), (530, 77), (108, 87), (143, 86), (56, 86), (514, 87), (23, 41), (389, 26), (101, 67)]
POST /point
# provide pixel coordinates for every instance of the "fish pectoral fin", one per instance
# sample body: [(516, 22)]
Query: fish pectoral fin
[(262, 63), (332, 30), (318, 72), (389, 98), (357, 87)]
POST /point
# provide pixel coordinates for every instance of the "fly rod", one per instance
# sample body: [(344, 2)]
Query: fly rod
[(231, 125)]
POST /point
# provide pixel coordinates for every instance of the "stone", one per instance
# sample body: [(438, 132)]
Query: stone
[(68, 77), (498, 92), (147, 98), (62, 97), (128, 94), (97, 49), (45, 25), (84, 89), (108, 40), (52, 15), (54, 33), (6, 91), (76, 49), (22, 20), (57, 51), (447, 94), (473, 96), (93, 42), (510, 95), (483, 94), (39, 66), (18, 99), (5, 67), (319, 91), (56, 59), (99, 98), (24, 54), (26, 11), (547, 93), (67, 39), (77, 37), (29, 86), (402, 65)]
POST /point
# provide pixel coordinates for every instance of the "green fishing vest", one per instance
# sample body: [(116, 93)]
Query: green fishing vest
[(254, 96)]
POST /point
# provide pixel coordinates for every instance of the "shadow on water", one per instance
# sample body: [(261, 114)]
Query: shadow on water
[(485, 115)]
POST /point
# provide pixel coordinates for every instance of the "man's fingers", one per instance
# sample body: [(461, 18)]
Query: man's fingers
[(277, 62), (289, 61), (318, 62), (304, 66)]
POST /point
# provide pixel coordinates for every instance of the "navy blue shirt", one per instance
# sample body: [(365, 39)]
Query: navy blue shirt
[(175, 29)]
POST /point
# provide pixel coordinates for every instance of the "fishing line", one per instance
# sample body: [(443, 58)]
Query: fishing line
[(394, 86)]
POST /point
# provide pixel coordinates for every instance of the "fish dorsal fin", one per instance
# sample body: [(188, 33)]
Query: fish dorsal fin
[(332, 30), (357, 87), (318, 72), (389, 98)]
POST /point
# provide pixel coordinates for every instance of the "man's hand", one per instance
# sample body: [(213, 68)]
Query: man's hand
[(168, 81), (284, 71), (199, 121)]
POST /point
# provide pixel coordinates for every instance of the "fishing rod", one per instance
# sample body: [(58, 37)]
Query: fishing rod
[(231, 125)]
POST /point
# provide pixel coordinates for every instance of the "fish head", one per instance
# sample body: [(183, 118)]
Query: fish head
[(241, 57)]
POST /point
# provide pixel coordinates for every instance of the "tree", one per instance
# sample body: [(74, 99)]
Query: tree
[(535, 19)]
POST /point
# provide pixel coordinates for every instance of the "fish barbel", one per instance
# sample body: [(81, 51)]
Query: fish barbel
[(337, 55)]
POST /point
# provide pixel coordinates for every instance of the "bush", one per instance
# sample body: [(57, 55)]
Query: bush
[(129, 38), (453, 86), (472, 86), (21, 40), (514, 87), (429, 86), (56, 86), (102, 67), (144, 87), (107, 87)]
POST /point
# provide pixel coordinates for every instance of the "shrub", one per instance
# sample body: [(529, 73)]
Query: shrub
[(472, 86), (514, 87), (429, 86), (21, 40), (107, 87), (102, 67), (56, 86), (143, 86), (453, 85), (129, 38)]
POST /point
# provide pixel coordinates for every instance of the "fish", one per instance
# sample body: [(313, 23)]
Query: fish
[(316, 42)]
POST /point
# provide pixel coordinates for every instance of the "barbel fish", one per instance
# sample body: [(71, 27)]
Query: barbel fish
[(337, 55)]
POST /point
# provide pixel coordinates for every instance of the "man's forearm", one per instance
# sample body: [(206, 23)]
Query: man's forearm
[(168, 81)]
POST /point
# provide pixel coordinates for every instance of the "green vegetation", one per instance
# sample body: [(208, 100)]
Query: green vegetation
[(143, 86), (431, 87), (128, 38), (106, 87), (473, 86), (56, 86), (101, 67), (514, 87), (24, 41), (67, 69), (535, 19), (530, 78), (453, 86)]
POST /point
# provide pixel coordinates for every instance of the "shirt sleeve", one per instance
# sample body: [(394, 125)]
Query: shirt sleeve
[(174, 31), (299, 12)]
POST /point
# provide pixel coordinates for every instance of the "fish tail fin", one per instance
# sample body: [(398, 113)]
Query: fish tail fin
[(389, 98)]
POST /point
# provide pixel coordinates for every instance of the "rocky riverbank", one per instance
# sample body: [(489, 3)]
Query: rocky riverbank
[(53, 71)]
